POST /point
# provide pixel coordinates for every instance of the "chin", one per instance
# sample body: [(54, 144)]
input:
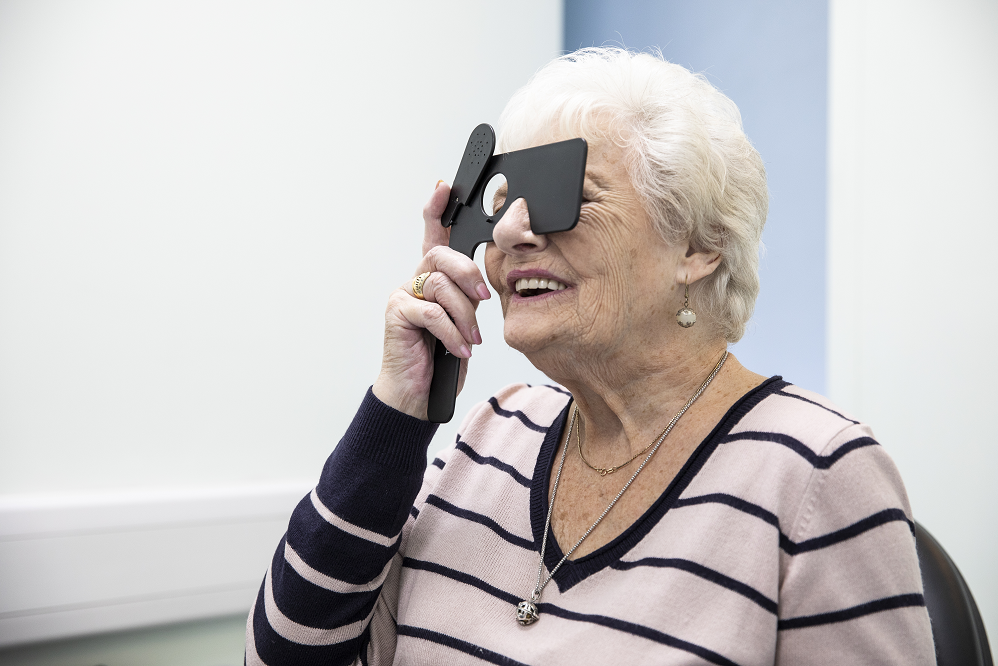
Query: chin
[(527, 338)]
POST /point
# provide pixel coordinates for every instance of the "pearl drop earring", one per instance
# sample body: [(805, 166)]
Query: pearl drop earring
[(686, 317)]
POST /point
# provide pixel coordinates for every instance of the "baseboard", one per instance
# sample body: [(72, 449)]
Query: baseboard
[(76, 565)]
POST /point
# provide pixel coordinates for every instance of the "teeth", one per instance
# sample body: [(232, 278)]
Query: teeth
[(539, 283)]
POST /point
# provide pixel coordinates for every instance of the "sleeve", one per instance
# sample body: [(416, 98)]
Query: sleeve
[(382, 632), (326, 579), (851, 588)]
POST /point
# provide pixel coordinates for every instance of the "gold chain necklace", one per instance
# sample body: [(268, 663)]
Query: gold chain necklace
[(526, 610), (603, 471)]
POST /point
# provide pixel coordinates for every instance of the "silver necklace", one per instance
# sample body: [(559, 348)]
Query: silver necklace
[(526, 610)]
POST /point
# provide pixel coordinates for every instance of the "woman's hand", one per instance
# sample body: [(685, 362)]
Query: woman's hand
[(452, 293)]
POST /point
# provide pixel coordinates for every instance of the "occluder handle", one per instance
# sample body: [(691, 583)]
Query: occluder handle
[(443, 388), (446, 367), (464, 238)]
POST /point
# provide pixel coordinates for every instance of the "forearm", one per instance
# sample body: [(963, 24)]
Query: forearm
[(327, 573)]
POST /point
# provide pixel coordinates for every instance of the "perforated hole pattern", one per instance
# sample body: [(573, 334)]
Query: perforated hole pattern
[(477, 146)]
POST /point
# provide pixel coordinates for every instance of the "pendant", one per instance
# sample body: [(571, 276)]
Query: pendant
[(526, 612)]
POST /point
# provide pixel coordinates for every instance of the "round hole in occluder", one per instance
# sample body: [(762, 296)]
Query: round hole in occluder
[(489, 203)]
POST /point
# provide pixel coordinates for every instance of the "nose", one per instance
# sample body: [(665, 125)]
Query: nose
[(512, 233)]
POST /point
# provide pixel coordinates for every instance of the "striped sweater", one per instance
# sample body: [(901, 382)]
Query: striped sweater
[(786, 538)]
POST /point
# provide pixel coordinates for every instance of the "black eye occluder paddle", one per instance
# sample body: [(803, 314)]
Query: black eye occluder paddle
[(548, 178)]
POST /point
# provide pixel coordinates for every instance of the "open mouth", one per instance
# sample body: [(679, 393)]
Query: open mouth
[(527, 287)]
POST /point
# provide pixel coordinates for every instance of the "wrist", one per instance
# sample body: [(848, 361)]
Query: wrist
[(388, 392), (381, 434)]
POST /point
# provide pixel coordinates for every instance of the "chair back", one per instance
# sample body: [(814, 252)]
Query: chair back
[(957, 628)]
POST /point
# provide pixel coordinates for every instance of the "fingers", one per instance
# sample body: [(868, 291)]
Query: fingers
[(460, 269), (455, 284), (415, 315), (434, 233), (440, 289)]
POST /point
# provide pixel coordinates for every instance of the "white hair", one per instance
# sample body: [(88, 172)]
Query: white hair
[(699, 177)]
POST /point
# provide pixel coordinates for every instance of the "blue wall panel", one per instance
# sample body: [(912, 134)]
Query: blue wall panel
[(771, 58)]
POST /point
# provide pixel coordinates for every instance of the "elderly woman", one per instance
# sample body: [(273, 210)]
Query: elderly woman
[(667, 505)]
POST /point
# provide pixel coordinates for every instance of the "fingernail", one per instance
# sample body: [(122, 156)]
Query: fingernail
[(465, 352), (483, 291), (476, 335), (438, 184)]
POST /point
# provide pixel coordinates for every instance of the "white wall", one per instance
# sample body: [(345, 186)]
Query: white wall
[(912, 227), (203, 208)]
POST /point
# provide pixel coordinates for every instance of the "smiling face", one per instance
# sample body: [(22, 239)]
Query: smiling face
[(614, 277)]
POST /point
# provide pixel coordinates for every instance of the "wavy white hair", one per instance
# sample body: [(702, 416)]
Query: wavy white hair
[(700, 178)]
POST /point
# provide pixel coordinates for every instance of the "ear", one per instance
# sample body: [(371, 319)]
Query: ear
[(696, 265)]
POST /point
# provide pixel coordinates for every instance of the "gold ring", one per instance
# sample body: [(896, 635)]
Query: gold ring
[(417, 285)]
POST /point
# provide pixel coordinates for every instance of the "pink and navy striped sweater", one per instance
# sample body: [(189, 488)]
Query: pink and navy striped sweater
[(786, 538)]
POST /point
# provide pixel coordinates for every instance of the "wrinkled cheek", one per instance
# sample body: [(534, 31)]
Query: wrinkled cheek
[(605, 316)]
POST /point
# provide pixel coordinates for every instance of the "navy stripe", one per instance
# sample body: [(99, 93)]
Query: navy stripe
[(502, 532), (707, 574), (817, 543), (821, 462), (553, 388), (518, 414), (461, 577), (493, 462), (331, 551), (735, 503), (414, 512), (325, 609), (438, 463), (816, 404), (367, 508), (459, 645), (602, 620), (888, 603), (638, 630), (857, 528), (369, 501), (275, 649)]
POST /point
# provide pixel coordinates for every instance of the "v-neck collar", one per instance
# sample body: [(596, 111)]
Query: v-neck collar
[(575, 571)]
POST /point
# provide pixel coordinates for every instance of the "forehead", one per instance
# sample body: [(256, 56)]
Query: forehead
[(552, 124)]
